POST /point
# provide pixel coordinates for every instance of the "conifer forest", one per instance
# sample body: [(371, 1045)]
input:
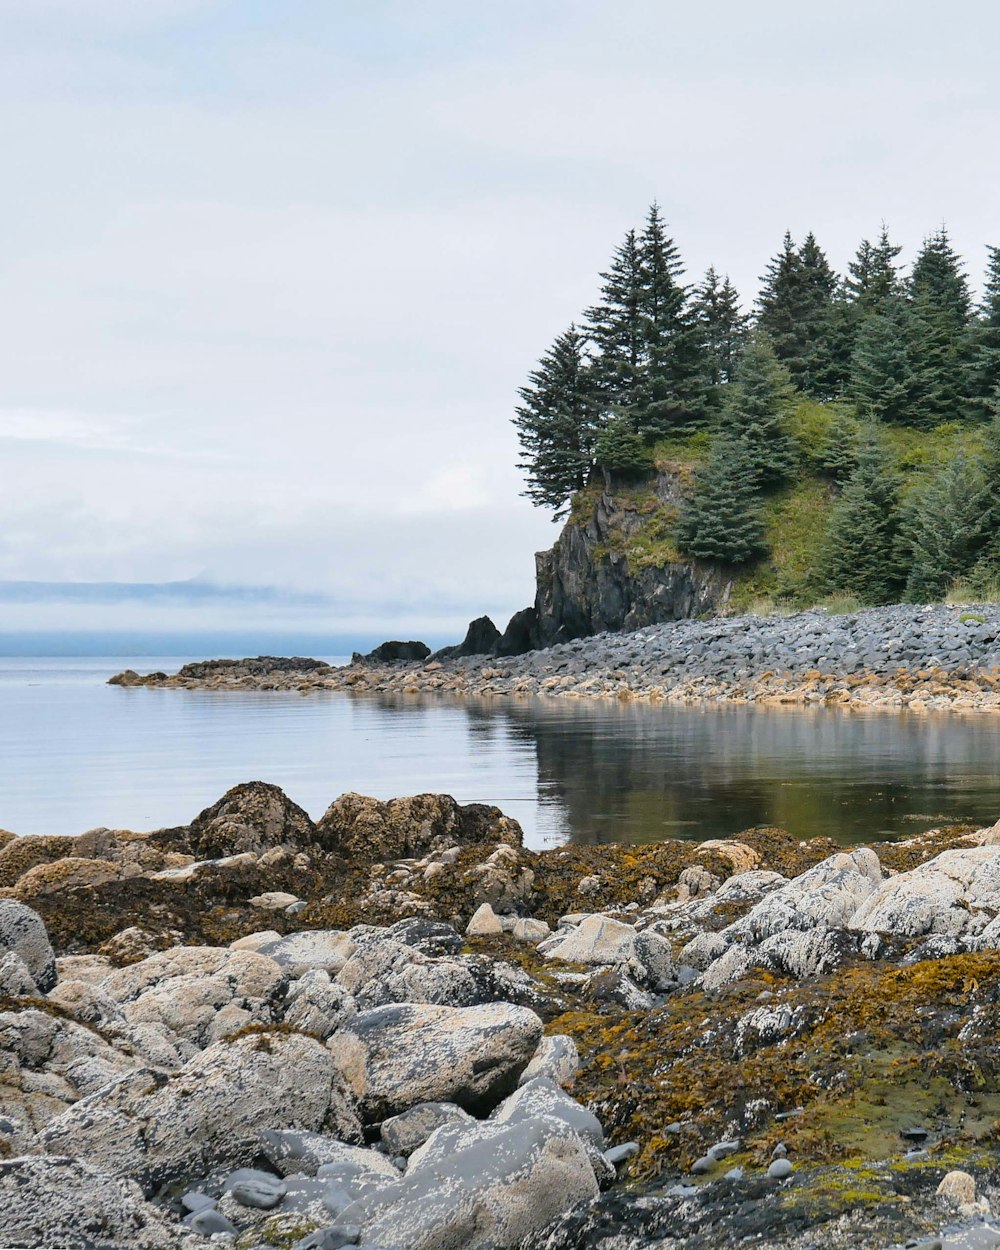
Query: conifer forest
[(840, 438)]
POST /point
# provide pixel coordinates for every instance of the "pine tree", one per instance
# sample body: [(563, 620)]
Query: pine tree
[(796, 310), (620, 451), (756, 411), (882, 380), (672, 384), (984, 375), (838, 455), (873, 276), (859, 554), (949, 526), (616, 327), (722, 326), (722, 521), (557, 423), (939, 329)]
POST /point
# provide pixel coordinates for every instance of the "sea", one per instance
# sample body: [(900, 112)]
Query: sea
[(76, 753)]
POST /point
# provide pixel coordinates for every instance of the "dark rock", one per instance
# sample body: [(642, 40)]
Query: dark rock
[(394, 652), (253, 816), (520, 634), (481, 638), (366, 829)]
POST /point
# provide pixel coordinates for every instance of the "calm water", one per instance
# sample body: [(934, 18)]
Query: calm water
[(75, 753)]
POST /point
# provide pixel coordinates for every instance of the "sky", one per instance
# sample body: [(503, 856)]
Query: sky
[(272, 272)]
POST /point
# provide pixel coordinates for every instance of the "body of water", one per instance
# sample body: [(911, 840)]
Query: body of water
[(76, 753)]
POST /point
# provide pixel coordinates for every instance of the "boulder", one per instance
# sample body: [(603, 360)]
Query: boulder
[(481, 638), (21, 854), (22, 931), (479, 1187), (64, 874), (484, 922), (328, 949), (394, 652), (402, 1134), (519, 636), (15, 979), (942, 896), (397, 1056), (69, 1202), (556, 1058), (254, 816), (315, 1005), (294, 1152), (384, 971), (600, 940), (212, 1112), (364, 829)]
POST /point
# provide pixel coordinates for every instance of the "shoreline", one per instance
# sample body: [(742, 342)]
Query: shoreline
[(899, 658)]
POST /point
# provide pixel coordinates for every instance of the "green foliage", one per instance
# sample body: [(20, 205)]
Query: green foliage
[(722, 521), (859, 555), (757, 410), (722, 327), (984, 373), (619, 450), (948, 528), (796, 311), (557, 423), (882, 377)]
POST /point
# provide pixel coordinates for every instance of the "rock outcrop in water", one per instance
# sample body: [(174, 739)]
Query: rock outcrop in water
[(451, 1040)]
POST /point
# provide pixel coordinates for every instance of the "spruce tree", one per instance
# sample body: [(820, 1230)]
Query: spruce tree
[(984, 374), (939, 330), (672, 386), (722, 326), (796, 310), (873, 275), (617, 329), (557, 423), (949, 525), (838, 454), (620, 451), (859, 553), (882, 381), (722, 521), (756, 411)]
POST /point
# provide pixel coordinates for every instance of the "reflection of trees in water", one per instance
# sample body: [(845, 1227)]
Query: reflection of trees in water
[(645, 771)]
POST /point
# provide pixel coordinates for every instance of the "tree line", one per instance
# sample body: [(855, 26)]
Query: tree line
[(656, 357)]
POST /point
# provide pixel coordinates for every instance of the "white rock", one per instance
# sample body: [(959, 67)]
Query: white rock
[(941, 896), (556, 1058), (274, 900), (329, 949), (484, 923)]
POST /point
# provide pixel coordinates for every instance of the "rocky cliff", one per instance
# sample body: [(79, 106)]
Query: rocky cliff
[(607, 572)]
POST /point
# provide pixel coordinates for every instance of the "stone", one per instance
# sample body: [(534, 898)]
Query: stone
[(208, 1221), (600, 940), (430, 937), (252, 1188), (556, 1058), (318, 1006), (129, 946), (328, 949), (943, 896), (527, 929), (957, 1187), (274, 900), (15, 979), (70, 872), (383, 971), (541, 1099), (403, 1054), (293, 1151), (211, 1112), (779, 1169), (68, 1201), (254, 817), (618, 1155), (23, 932), (364, 829), (501, 1183), (484, 923), (402, 1134)]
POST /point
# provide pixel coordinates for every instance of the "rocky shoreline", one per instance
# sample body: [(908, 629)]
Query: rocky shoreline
[(901, 657), (397, 1028)]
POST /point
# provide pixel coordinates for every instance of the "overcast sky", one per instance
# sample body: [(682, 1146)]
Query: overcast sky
[(272, 270)]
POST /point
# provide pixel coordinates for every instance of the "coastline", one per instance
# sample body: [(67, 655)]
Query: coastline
[(898, 658)]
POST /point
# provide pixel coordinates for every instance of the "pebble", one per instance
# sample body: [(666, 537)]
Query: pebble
[(209, 1221), (702, 1165), (779, 1169), (618, 1154), (195, 1200), (723, 1149), (735, 1174)]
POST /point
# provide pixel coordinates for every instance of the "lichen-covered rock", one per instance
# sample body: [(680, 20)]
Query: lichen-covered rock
[(397, 1056), (318, 1006), (15, 979), (69, 1202), (953, 894), (541, 1098), (602, 940), (484, 922), (556, 1058), (212, 1112), (293, 1151), (22, 931), (328, 949), (202, 993), (129, 946), (254, 816), (481, 1187), (383, 972), (363, 828), (402, 1134), (19, 855), (64, 874)]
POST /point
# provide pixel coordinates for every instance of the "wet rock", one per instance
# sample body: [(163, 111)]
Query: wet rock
[(69, 1202), (212, 1112), (397, 1056), (23, 933), (365, 829)]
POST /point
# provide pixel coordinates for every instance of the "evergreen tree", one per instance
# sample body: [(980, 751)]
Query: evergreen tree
[(672, 384), (722, 521), (617, 329), (948, 528), (796, 311), (838, 455), (873, 276), (722, 326), (557, 423), (859, 554), (984, 378), (882, 379), (939, 330), (620, 450), (756, 412)]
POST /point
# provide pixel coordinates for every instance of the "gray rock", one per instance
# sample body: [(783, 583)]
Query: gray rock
[(620, 1154), (542, 1099), (292, 1151), (15, 979), (253, 1188), (402, 1134), (208, 1221), (556, 1058), (23, 932), (780, 1169), (328, 949), (397, 1056), (65, 1201)]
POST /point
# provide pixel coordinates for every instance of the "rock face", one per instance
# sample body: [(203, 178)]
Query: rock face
[(23, 933), (481, 638), (394, 652), (397, 1056), (584, 586), (359, 827)]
